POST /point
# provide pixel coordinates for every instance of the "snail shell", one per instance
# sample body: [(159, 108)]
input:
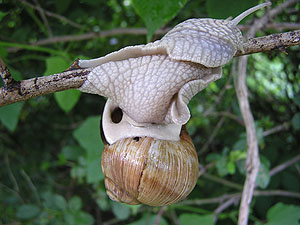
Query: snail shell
[(150, 171)]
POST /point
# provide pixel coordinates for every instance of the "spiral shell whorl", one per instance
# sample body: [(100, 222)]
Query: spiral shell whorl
[(150, 171)]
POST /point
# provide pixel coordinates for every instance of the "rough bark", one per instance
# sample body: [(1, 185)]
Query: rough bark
[(15, 91)]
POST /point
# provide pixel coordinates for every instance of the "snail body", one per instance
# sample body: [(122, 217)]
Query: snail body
[(148, 156), (153, 83)]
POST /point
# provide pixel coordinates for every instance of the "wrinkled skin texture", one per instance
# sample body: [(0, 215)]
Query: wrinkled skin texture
[(145, 87), (153, 83)]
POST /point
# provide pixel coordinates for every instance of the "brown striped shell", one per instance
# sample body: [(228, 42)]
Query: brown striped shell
[(144, 170)]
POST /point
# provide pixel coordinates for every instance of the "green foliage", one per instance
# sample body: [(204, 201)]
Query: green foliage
[(283, 214), (215, 8), (9, 115), (88, 137), (148, 220), (193, 219), (56, 139), (27, 211), (296, 121), (65, 99), (156, 13), (121, 211)]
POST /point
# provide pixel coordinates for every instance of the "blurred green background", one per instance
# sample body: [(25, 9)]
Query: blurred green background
[(50, 146)]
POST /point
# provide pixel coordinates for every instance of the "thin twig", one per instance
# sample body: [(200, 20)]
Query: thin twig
[(212, 136), (225, 205), (229, 115), (159, 215), (10, 174), (284, 165), (44, 18), (252, 163), (222, 181), (13, 192), (32, 187), (298, 169), (225, 197), (54, 15), (284, 126), (26, 89), (174, 217), (278, 193), (219, 97), (274, 26), (136, 31)]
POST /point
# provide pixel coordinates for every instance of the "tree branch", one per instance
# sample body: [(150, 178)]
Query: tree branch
[(26, 89), (253, 162), (136, 31), (75, 76), (284, 165), (225, 197), (284, 126), (270, 42)]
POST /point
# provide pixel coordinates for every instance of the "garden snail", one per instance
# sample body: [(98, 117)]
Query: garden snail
[(148, 88)]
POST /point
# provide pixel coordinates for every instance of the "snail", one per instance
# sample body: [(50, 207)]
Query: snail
[(148, 88)]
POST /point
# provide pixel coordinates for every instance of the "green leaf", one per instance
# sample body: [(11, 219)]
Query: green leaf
[(79, 173), (69, 218), (3, 54), (102, 199), (2, 15), (121, 211), (283, 214), (194, 219), (83, 218), (27, 211), (56, 64), (263, 177), (48, 198), (156, 13), (62, 6), (9, 115), (149, 219), (88, 136), (215, 8), (296, 121), (71, 152), (91, 2), (75, 203), (15, 74), (230, 167), (67, 99), (297, 100), (60, 202), (221, 166)]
